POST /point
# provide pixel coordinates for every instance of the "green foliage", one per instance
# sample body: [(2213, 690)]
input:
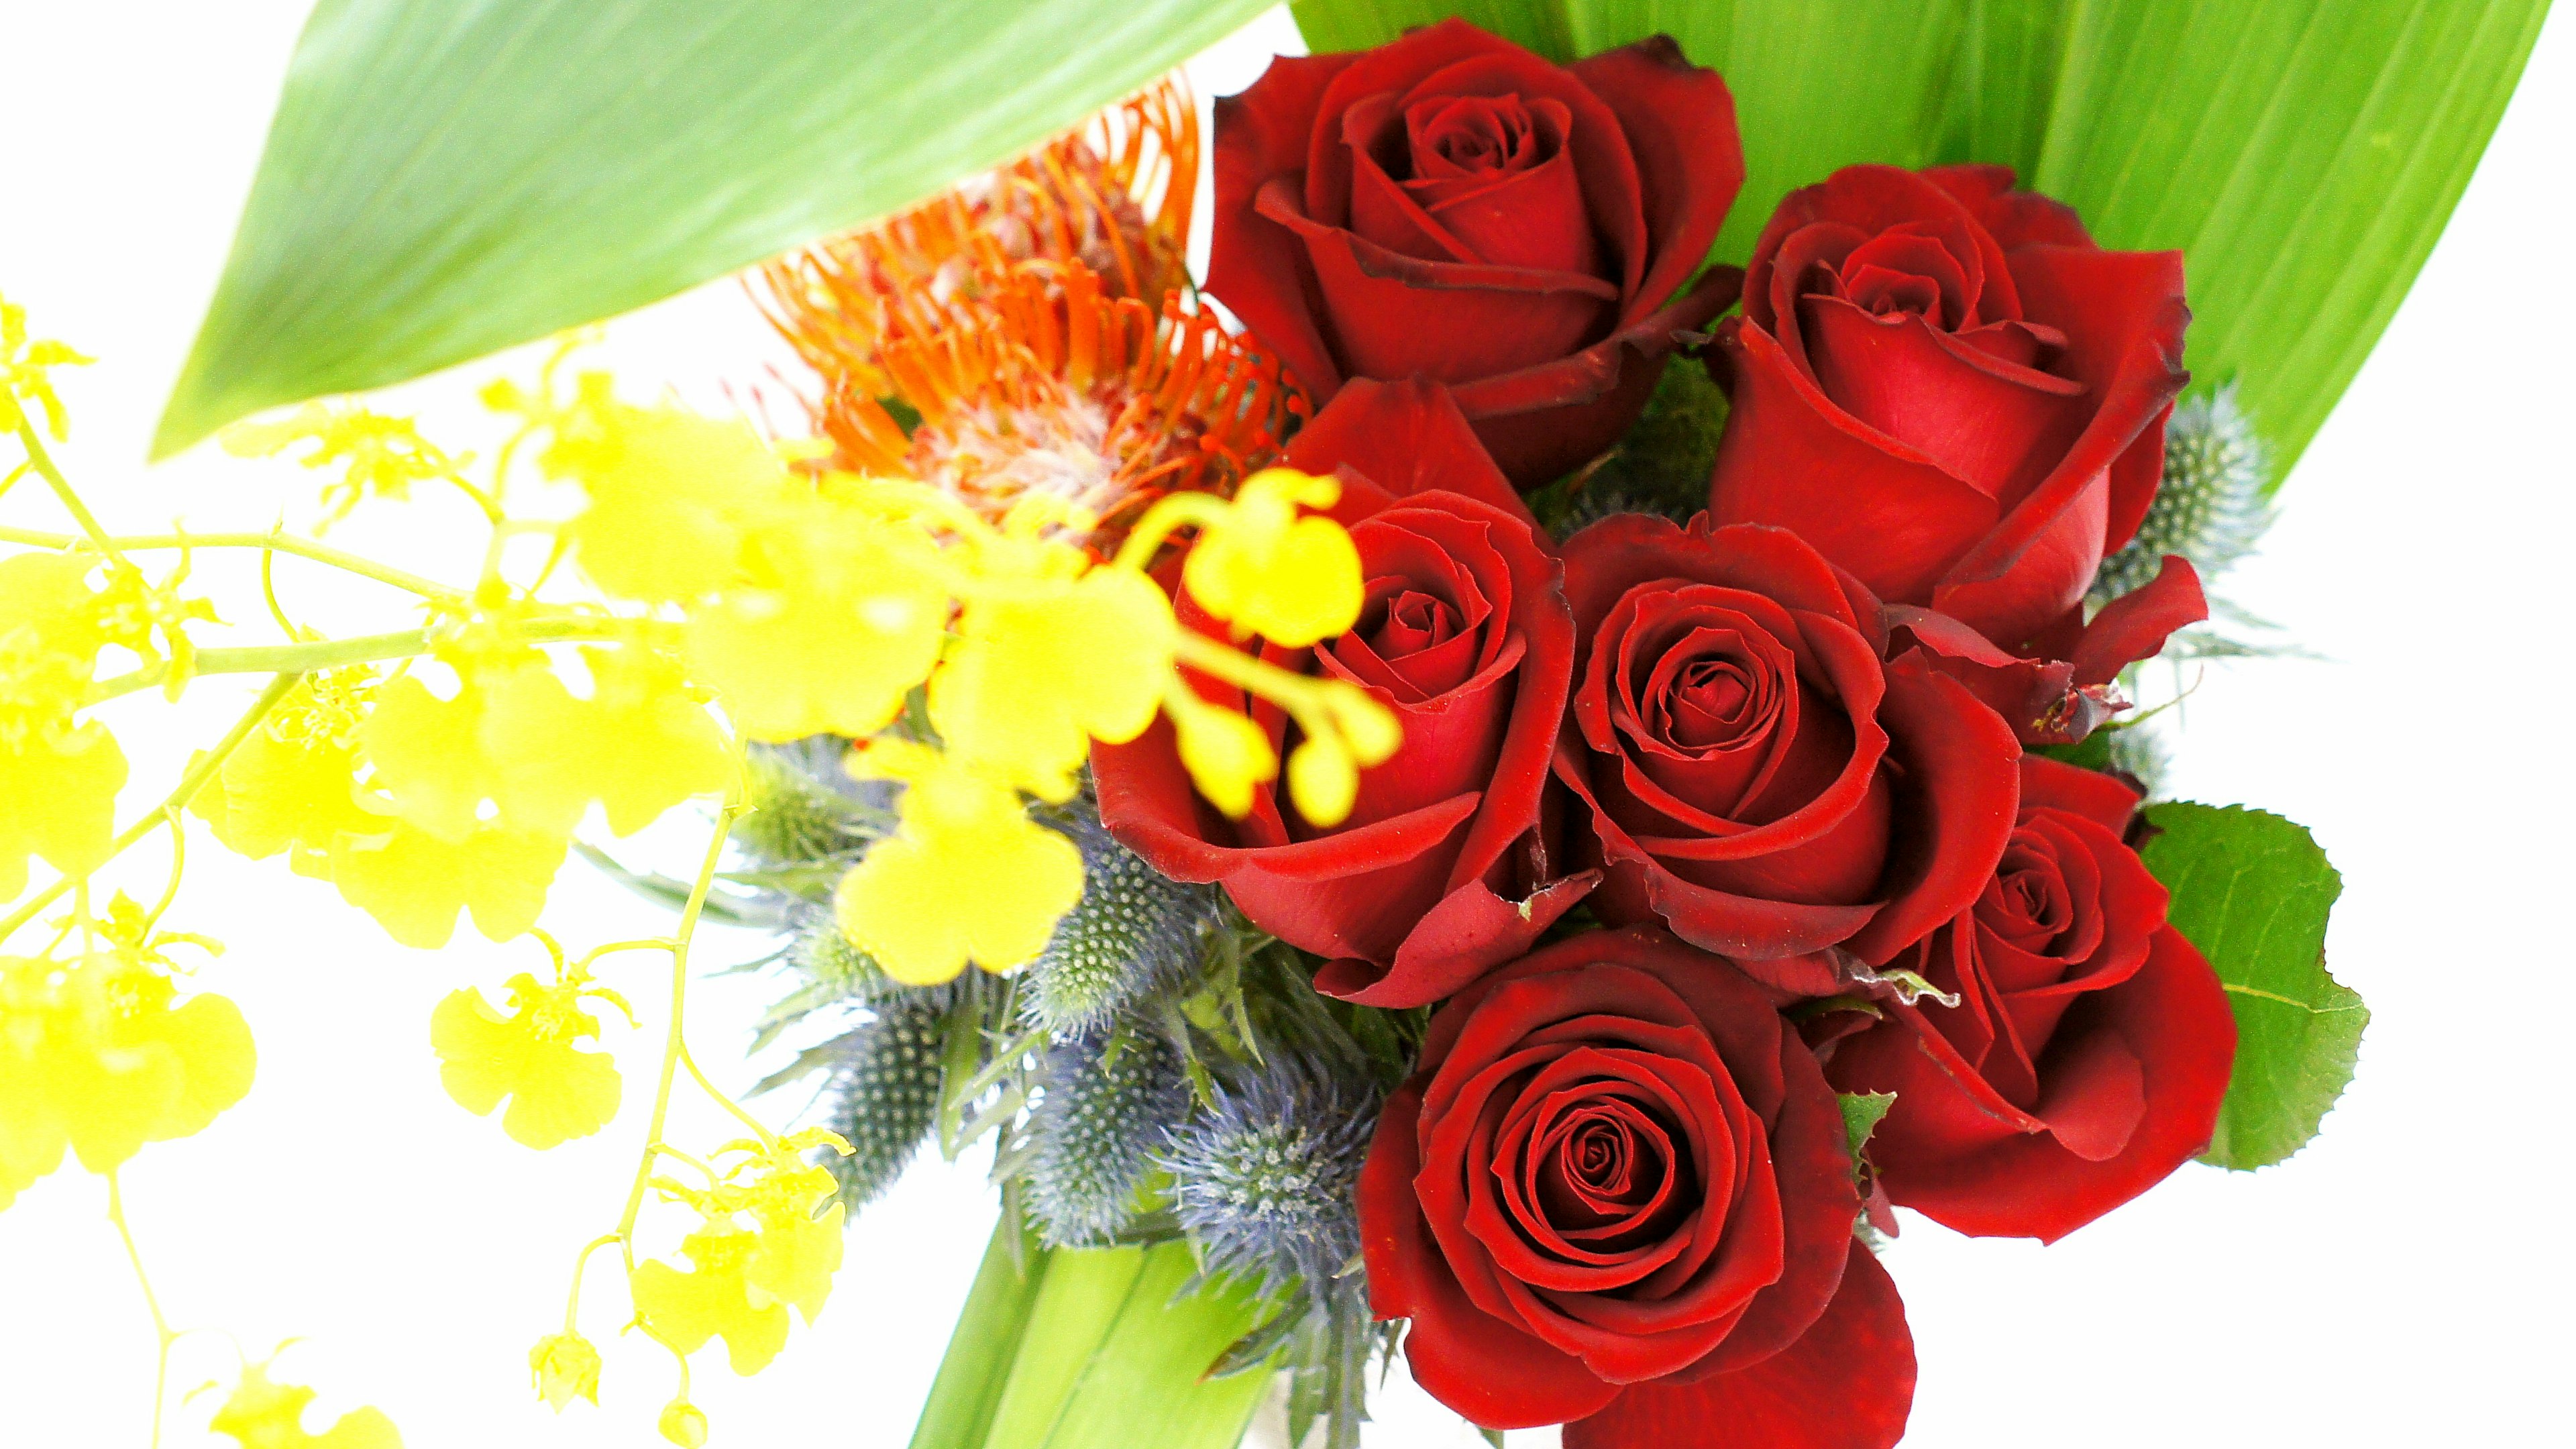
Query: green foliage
[(1661, 464), (1084, 1347), (444, 179), (1862, 1112), (2252, 891), (2303, 154), (985, 1345)]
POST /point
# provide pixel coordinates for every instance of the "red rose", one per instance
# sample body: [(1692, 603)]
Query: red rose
[(1757, 777), (1441, 870), (2063, 686), (1616, 1191), (2090, 1046), (1455, 207), (1948, 389)]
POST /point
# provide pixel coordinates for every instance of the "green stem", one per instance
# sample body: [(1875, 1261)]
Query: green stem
[(271, 542), (674, 1042), (151, 1301), (177, 800), (62, 487), (331, 653)]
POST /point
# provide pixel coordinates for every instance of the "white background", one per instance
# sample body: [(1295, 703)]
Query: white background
[(2398, 1283)]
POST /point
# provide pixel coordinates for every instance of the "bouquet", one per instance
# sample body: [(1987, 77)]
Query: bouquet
[(1486, 782)]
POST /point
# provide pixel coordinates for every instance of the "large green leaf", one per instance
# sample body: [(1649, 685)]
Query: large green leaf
[(1083, 1349), (447, 177), (985, 1345), (2252, 891), (2304, 154)]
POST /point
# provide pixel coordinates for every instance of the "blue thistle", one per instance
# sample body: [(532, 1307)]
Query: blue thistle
[(1110, 1097), (2210, 508), (882, 1093), (1263, 1182), (804, 807), (1133, 934)]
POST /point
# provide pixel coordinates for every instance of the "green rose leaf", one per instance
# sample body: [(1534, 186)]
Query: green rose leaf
[(2252, 891), (1862, 1112)]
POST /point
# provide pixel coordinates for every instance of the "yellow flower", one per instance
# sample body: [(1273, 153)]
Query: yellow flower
[(563, 1367), (832, 618), (58, 777), (291, 785), (530, 1054), (1292, 580), (759, 1248), (512, 735), (265, 1414), (100, 1056), (967, 875), (414, 883), (670, 496), (712, 1299), (652, 743), (1226, 754), (683, 1424), (382, 456), (1035, 679), (23, 366)]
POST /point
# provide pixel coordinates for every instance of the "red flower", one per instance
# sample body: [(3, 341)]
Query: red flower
[(1455, 207), (1757, 777), (2090, 1046), (1948, 389), (1616, 1191), (1441, 871)]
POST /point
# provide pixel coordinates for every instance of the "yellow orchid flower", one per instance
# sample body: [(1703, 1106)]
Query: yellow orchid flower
[(966, 877), (1292, 580), (531, 1054), (262, 1413), (1035, 678), (564, 1367)]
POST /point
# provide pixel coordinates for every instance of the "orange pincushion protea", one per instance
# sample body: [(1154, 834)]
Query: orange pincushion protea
[(1033, 318), (1048, 385), (1113, 195)]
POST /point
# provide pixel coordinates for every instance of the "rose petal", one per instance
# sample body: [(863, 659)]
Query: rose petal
[(1847, 1383), (1477, 1364)]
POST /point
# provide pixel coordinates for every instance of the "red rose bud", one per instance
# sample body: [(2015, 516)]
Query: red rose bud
[(1441, 870), (1455, 207), (2090, 1046), (1949, 390), (1756, 776), (1617, 1192)]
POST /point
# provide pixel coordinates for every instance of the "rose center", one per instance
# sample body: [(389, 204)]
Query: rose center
[(1414, 621), (2029, 906), (1469, 135)]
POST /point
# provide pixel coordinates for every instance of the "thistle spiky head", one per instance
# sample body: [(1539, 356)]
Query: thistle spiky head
[(2210, 506), (1264, 1181)]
